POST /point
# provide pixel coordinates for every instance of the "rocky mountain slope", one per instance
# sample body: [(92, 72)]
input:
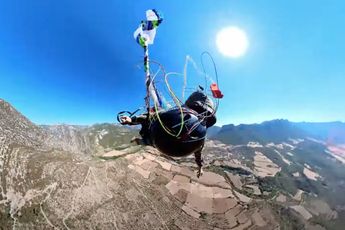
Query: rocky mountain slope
[(72, 177), (17, 129)]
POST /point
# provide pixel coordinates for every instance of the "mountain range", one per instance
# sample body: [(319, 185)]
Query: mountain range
[(274, 175), (281, 130)]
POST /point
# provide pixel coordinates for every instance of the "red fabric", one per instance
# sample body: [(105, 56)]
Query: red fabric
[(215, 91)]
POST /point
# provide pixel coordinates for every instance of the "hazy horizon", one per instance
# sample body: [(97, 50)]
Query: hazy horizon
[(217, 124)]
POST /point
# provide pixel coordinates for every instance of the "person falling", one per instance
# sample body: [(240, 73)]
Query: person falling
[(198, 102)]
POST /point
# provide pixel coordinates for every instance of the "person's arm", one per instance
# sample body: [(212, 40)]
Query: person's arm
[(135, 120), (211, 121)]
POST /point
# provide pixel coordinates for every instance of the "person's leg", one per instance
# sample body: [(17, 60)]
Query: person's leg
[(145, 134), (138, 141), (198, 161)]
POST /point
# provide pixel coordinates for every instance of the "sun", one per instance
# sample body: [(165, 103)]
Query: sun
[(232, 42)]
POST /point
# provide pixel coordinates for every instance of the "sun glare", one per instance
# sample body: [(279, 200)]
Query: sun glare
[(232, 42)]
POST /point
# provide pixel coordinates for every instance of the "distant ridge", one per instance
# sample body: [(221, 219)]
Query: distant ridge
[(281, 130), (16, 128)]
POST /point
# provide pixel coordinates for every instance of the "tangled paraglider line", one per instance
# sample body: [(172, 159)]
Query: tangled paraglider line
[(145, 35), (176, 127), (161, 72)]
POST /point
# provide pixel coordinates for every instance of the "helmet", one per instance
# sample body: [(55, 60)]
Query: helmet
[(203, 105), (200, 103)]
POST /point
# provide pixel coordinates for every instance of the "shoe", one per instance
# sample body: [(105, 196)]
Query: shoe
[(137, 140)]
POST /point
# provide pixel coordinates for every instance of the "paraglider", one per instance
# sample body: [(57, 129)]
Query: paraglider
[(177, 131)]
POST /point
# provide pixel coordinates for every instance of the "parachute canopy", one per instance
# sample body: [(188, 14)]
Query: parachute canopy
[(146, 32)]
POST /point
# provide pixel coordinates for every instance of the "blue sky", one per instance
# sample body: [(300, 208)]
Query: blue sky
[(76, 61)]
